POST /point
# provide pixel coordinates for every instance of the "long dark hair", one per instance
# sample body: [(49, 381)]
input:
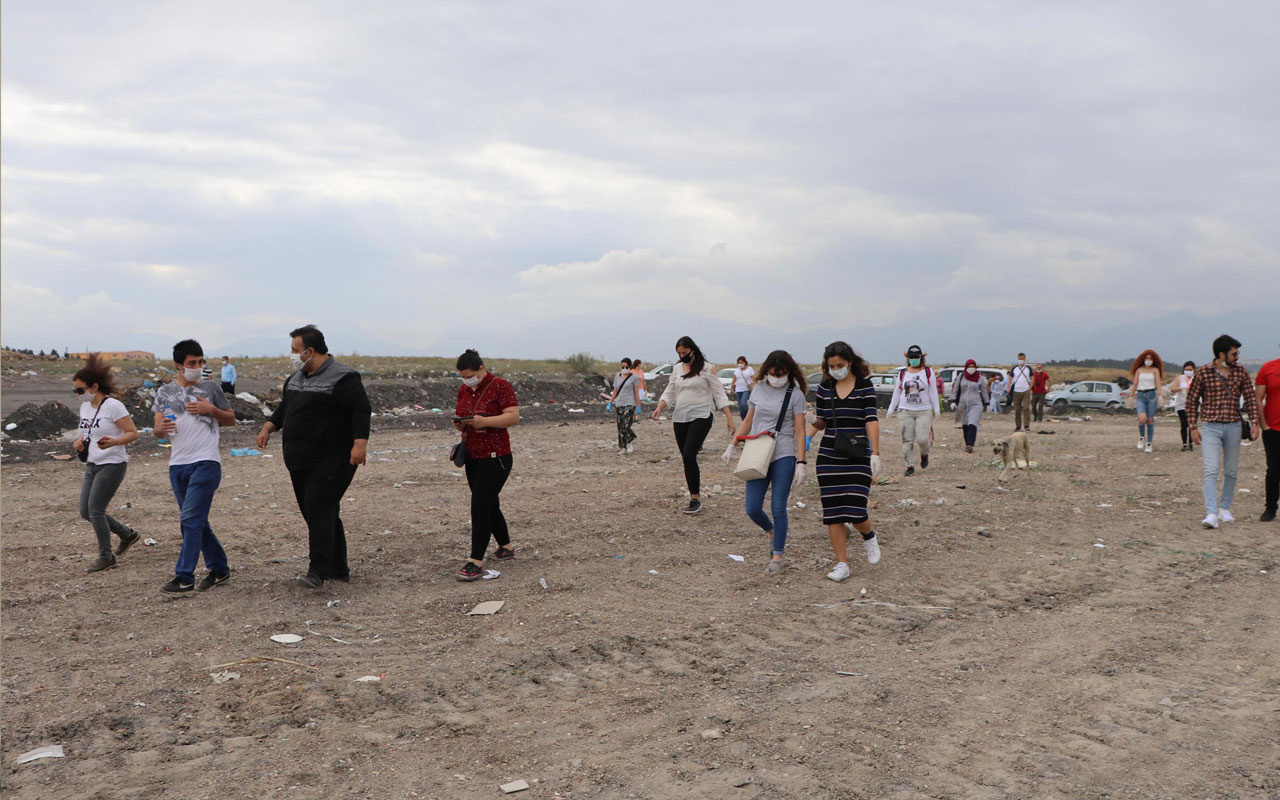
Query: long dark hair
[(698, 362), (97, 370), (857, 365), (782, 360)]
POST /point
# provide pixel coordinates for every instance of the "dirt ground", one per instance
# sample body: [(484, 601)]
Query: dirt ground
[(998, 651)]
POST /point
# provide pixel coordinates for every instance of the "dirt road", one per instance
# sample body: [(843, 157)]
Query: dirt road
[(1026, 662)]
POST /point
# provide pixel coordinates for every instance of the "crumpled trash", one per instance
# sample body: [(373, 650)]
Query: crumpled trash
[(245, 451), (224, 676), (48, 751), (149, 542)]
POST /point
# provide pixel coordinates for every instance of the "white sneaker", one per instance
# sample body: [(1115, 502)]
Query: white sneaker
[(1210, 521), (1148, 448), (873, 550), (631, 448), (1224, 515), (1141, 443), (622, 451), (839, 573)]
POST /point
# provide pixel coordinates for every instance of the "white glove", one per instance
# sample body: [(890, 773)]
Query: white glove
[(799, 479), (890, 414), (728, 454), (875, 467)]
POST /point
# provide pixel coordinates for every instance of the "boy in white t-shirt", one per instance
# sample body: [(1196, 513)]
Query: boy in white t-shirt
[(189, 411)]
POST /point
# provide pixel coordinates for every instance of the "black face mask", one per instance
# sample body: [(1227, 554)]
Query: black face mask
[(686, 359)]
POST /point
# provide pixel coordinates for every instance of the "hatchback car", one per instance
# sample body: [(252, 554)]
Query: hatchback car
[(1085, 394), (726, 379), (663, 371)]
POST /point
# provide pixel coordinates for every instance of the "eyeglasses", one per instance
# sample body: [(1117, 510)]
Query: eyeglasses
[(78, 390)]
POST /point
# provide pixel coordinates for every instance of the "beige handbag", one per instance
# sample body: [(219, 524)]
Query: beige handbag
[(757, 451)]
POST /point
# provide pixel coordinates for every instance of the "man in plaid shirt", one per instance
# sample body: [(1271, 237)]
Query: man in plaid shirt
[(1214, 399)]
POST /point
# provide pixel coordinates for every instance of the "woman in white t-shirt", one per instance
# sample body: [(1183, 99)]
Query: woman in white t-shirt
[(1179, 388), (105, 429), (742, 375)]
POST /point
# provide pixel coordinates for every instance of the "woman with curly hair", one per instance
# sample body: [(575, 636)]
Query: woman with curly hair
[(1147, 375), (105, 428)]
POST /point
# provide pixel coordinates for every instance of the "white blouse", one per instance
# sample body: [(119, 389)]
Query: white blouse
[(697, 397)]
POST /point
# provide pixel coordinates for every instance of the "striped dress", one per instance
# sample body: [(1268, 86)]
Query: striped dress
[(844, 483)]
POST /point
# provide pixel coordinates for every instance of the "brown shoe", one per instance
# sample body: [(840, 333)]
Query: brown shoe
[(101, 563)]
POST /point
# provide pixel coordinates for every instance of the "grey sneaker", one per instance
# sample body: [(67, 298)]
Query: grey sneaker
[(101, 563), (126, 542), (775, 567)]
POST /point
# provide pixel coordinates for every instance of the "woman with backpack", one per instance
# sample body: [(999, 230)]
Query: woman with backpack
[(625, 401), (696, 394), (105, 428), (915, 396), (971, 397), (777, 408)]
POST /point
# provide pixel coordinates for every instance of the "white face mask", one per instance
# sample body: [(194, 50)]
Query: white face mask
[(1148, 362), (970, 370), (1022, 362), (296, 360), (192, 375), (840, 374), (471, 382), (778, 382), (89, 397), (1189, 372)]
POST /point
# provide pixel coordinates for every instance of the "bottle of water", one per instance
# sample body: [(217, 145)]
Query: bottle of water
[(170, 416)]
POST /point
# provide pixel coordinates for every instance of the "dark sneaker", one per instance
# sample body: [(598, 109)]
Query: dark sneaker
[(310, 580), (178, 586), (910, 471), (924, 462), (344, 578), (694, 507), (470, 572), (126, 542), (504, 553), (1268, 515), (213, 579), (100, 563)]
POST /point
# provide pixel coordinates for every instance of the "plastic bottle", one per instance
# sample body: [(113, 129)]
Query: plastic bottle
[(171, 417)]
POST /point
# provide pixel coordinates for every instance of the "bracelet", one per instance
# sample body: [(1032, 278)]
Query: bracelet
[(802, 461)]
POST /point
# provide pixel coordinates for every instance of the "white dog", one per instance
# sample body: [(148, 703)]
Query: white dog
[(1010, 449)]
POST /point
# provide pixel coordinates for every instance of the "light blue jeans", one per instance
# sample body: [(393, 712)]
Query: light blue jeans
[(743, 405), (1219, 448), (781, 473)]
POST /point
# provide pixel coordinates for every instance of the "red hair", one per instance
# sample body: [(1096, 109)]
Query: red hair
[(1155, 361)]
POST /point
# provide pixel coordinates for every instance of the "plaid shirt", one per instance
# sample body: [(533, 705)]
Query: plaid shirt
[(1217, 398)]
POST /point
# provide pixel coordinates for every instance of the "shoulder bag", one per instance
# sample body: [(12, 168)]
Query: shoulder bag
[(83, 455), (846, 445), (757, 453), (458, 455)]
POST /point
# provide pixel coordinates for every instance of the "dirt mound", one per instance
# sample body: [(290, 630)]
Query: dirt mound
[(394, 396), (246, 410), (40, 421)]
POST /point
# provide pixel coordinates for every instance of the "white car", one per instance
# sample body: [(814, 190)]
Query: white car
[(949, 374), (726, 379), (663, 371)]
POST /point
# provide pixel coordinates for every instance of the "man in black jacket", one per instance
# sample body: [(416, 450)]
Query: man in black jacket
[(325, 419)]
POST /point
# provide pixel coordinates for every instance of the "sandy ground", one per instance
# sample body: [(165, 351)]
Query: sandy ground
[(1025, 663)]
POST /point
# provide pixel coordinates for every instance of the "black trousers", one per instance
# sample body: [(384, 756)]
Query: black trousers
[(1271, 442), (319, 489), (689, 438), (1186, 433), (228, 388), (970, 435), (486, 477)]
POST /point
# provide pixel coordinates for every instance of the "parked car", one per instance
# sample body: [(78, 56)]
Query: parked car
[(884, 383), (949, 374), (1085, 394), (663, 371), (726, 379)]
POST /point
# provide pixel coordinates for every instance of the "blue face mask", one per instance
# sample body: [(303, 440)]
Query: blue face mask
[(915, 362)]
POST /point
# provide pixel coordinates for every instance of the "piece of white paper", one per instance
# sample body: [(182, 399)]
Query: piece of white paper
[(286, 638), (737, 558), (48, 751)]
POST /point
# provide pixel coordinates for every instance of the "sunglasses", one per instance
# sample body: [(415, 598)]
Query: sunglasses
[(77, 390)]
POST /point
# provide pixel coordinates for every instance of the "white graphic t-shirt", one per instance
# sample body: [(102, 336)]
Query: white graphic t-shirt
[(110, 412), (197, 436)]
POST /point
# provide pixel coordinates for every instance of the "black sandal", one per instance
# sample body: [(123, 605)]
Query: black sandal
[(470, 572), (503, 553)]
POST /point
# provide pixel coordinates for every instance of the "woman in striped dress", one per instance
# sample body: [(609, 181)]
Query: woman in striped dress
[(846, 403)]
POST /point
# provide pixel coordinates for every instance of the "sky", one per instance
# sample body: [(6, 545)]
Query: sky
[(540, 179)]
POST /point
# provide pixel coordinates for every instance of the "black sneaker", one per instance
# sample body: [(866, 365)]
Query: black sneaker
[(924, 462), (310, 580), (693, 508), (470, 572), (1268, 515), (504, 553), (100, 563), (213, 579), (126, 542), (910, 471), (178, 586)]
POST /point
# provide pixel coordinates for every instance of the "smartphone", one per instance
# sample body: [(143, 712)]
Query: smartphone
[(462, 419)]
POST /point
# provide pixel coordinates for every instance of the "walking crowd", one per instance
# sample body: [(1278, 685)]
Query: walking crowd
[(324, 418)]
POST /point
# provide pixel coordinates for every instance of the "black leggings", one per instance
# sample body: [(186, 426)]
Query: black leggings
[(486, 477), (689, 438), (970, 435), (1182, 417)]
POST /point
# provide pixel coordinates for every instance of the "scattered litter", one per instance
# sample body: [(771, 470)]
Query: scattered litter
[(327, 636), (224, 676), (332, 603), (48, 751), (851, 674), (1104, 505), (984, 533), (1245, 491), (653, 572), (737, 558), (572, 411), (62, 457), (514, 786), (543, 583), (1166, 701), (369, 678), (905, 503), (487, 608), (245, 451), (712, 733), (1100, 545), (149, 542), (1180, 500), (490, 574), (10, 427), (799, 504), (286, 638), (961, 486), (864, 592), (941, 501)]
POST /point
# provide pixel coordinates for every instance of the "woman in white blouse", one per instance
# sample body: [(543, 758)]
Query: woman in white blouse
[(696, 394)]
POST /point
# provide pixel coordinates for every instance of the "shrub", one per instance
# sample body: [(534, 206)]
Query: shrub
[(583, 364)]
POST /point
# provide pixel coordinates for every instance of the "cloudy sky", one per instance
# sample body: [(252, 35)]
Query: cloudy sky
[(543, 178)]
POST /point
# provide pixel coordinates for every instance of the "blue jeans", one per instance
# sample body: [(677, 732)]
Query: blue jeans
[(781, 473), (743, 406), (1219, 440), (193, 486), (1148, 403)]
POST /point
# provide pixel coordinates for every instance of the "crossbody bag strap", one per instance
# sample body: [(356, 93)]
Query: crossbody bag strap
[(786, 401), (96, 412)]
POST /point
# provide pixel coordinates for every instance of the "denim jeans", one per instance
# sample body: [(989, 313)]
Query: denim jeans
[(1219, 448), (781, 473), (100, 484), (193, 486), (743, 405)]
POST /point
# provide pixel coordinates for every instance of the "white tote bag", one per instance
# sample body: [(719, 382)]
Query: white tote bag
[(757, 452)]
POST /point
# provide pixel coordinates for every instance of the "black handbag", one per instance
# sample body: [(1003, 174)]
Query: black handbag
[(83, 455), (846, 445)]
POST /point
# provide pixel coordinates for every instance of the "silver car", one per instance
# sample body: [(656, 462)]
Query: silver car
[(1085, 394)]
